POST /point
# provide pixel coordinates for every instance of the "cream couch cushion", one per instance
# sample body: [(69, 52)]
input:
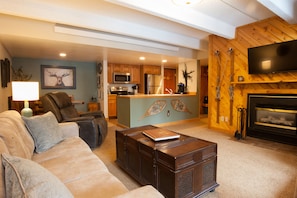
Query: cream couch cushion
[(3, 149), (25, 178), (15, 135), (81, 171)]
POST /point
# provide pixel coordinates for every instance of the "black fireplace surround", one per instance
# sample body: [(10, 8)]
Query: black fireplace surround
[(272, 117)]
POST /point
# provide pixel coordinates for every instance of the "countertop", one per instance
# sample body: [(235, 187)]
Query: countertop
[(155, 95)]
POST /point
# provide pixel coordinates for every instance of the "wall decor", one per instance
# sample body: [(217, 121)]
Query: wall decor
[(156, 108), (5, 72), (178, 105), (19, 75), (58, 77)]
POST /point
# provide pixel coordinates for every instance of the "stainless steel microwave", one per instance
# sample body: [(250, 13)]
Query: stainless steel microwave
[(121, 77)]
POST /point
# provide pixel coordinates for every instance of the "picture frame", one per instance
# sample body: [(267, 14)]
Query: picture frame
[(58, 77), (5, 72)]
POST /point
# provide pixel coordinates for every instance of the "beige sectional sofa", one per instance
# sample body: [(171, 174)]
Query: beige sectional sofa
[(54, 162)]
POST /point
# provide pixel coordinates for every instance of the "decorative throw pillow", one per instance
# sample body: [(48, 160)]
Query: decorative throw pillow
[(25, 178), (44, 130)]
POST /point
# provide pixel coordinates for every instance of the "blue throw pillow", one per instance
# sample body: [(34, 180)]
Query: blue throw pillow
[(45, 131)]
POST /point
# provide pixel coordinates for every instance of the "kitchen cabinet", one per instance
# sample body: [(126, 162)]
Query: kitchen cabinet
[(151, 69), (121, 68), (118, 68), (135, 74), (134, 70), (110, 73), (112, 105)]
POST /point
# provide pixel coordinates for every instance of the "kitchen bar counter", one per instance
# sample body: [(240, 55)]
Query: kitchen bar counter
[(156, 95), (143, 109)]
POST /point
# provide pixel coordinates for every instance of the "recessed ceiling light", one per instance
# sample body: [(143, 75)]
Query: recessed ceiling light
[(141, 58), (185, 2), (164, 61), (63, 54)]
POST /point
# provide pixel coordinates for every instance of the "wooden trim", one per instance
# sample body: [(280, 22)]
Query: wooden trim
[(266, 82)]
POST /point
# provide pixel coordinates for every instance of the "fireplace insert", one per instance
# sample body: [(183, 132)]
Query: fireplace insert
[(272, 117)]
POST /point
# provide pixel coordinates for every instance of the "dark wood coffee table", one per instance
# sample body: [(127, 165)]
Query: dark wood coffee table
[(183, 167)]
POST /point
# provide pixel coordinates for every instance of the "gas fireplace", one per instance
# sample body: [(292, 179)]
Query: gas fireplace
[(272, 117)]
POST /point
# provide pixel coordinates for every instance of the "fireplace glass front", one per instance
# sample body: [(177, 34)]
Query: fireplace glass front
[(272, 117), (279, 118)]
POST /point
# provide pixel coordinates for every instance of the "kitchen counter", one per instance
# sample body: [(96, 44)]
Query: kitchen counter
[(143, 109), (156, 95)]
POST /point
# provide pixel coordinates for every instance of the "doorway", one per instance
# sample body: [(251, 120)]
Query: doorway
[(170, 79)]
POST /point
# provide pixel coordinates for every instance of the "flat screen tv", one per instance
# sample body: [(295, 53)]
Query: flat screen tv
[(277, 57)]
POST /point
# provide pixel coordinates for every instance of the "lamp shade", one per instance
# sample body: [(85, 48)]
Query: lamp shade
[(25, 91)]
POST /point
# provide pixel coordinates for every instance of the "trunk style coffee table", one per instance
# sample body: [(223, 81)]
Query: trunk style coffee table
[(182, 167)]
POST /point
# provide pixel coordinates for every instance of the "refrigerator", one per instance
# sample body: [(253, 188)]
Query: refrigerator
[(153, 84)]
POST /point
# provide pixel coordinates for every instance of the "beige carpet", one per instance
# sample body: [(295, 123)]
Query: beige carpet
[(246, 168)]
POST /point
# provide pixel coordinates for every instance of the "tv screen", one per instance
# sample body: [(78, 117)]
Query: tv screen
[(278, 57)]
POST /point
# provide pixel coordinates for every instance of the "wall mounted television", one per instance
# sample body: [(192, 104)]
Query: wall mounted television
[(273, 58)]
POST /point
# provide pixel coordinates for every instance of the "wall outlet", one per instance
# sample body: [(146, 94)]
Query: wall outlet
[(168, 113), (222, 118)]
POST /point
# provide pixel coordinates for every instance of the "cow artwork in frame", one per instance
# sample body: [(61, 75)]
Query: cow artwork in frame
[(58, 77)]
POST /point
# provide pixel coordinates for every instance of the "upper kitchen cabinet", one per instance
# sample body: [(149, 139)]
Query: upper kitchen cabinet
[(151, 69), (116, 68), (134, 70), (120, 68), (110, 73), (135, 74)]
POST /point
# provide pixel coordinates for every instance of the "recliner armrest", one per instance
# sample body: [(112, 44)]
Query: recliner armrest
[(96, 114), (88, 129), (77, 119)]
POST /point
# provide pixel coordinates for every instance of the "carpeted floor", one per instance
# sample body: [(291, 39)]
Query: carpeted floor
[(246, 168)]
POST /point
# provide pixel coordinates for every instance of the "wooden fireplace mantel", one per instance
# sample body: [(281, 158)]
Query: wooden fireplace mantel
[(241, 85), (263, 82)]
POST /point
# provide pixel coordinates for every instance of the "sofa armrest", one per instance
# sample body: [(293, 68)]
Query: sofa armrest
[(69, 129), (147, 191)]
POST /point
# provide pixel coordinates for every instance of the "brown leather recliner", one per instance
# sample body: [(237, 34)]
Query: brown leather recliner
[(92, 125)]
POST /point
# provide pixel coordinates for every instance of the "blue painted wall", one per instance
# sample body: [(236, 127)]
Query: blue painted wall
[(86, 83)]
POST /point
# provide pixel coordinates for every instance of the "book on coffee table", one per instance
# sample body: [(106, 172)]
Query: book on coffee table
[(160, 134)]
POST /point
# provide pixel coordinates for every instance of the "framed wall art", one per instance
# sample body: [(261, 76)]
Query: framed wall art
[(58, 77), (5, 72)]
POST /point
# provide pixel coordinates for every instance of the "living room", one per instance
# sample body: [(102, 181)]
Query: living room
[(264, 32)]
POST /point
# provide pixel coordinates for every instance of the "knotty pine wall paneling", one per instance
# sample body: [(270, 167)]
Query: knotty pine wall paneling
[(268, 31)]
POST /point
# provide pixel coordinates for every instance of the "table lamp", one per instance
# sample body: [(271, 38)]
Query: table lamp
[(25, 91)]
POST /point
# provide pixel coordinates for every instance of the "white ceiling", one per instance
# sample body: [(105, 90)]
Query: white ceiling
[(122, 30)]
